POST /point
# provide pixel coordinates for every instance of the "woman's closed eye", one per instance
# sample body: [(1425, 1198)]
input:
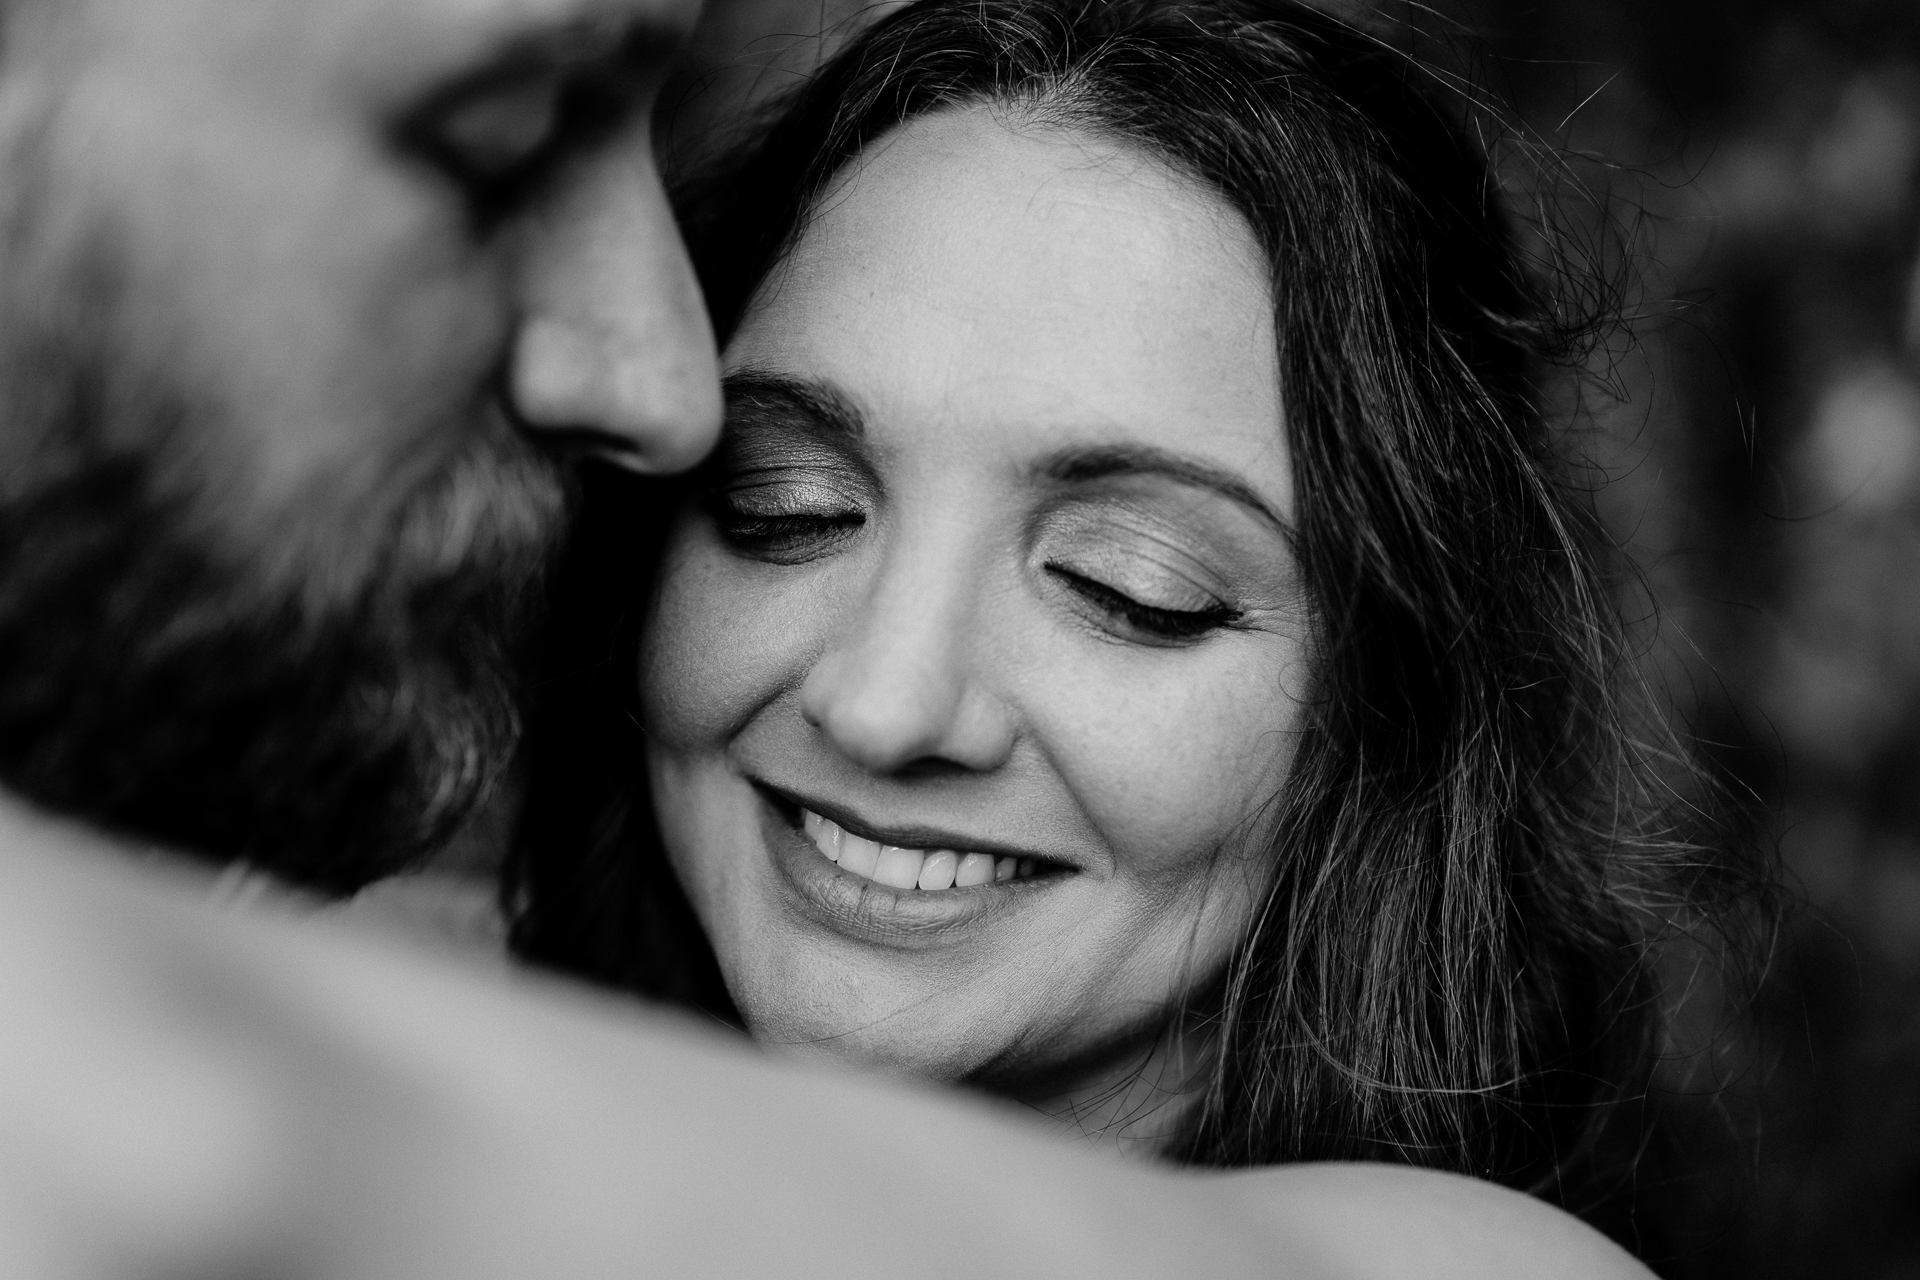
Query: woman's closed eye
[(1172, 613), (1143, 572), (783, 519)]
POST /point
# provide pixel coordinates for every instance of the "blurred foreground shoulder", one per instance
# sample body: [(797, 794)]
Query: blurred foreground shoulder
[(187, 1090), (1387, 1221)]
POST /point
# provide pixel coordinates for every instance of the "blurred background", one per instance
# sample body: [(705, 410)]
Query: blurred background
[(1758, 430), (1764, 468)]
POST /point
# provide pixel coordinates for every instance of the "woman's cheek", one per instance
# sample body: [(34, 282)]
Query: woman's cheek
[(1170, 762), (710, 653)]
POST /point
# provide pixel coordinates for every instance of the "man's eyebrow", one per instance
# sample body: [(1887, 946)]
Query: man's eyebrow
[(751, 392), (1098, 462)]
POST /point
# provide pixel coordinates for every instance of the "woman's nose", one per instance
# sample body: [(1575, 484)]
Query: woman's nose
[(614, 346), (901, 689)]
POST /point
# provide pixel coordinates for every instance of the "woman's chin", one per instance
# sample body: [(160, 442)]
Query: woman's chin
[(939, 1054), (825, 962)]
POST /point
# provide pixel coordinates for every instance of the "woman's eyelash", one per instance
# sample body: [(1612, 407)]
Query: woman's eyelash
[(742, 524), (1169, 624), (788, 536)]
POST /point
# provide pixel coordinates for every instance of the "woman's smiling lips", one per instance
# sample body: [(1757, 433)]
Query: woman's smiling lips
[(895, 886), (902, 867)]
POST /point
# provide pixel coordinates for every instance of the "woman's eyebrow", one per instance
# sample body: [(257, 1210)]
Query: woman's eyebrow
[(1098, 462), (818, 404)]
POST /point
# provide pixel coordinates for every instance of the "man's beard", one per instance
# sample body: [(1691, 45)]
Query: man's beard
[(156, 680)]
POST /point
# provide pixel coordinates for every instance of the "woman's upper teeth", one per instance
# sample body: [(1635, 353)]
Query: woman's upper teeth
[(903, 868)]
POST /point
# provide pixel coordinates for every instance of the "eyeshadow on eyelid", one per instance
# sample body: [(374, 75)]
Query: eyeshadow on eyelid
[(1151, 582), (794, 491), (756, 440), (1211, 544)]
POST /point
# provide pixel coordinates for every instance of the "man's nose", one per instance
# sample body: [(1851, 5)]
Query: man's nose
[(613, 346)]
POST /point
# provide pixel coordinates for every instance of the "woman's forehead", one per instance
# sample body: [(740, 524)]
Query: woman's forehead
[(973, 271)]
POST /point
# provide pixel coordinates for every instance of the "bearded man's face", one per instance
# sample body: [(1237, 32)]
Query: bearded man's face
[(299, 301)]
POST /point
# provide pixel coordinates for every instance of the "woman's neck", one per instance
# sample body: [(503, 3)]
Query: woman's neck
[(1135, 1103)]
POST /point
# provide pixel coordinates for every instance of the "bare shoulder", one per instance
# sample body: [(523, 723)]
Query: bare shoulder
[(1383, 1221), (292, 1081)]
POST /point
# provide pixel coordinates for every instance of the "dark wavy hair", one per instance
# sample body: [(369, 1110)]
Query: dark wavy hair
[(1450, 967)]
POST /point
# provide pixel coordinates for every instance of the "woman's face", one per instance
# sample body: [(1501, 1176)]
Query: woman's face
[(990, 579)]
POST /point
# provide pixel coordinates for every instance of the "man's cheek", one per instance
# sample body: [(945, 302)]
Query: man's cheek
[(318, 297)]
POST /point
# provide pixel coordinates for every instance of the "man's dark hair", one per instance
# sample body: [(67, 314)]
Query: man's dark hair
[(1450, 966)]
